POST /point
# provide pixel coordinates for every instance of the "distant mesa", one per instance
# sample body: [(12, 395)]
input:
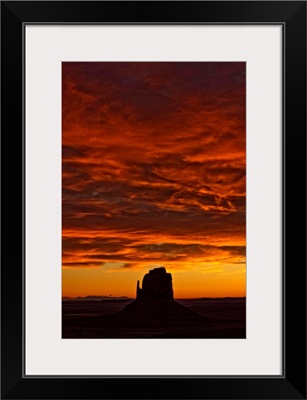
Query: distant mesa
[(95, 298)]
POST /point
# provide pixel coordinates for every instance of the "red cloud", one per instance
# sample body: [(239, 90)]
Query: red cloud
[(154, 165)]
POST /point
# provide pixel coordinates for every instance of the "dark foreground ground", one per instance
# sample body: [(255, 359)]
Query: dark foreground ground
[(192, 318)]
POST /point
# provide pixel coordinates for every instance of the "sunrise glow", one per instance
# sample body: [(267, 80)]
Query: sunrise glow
[(153, 174)]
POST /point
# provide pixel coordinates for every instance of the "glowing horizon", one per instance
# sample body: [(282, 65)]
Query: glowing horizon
[(153, 174)]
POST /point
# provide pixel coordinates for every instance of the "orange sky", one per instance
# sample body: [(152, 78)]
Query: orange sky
[(153, 174)]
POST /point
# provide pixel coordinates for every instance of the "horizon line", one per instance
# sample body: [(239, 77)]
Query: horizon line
[(133, 298)]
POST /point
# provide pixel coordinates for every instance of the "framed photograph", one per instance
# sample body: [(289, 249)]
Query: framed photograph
[(154, 204)]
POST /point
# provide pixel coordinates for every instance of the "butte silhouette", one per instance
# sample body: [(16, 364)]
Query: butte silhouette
[(155, 314), (155, 301)]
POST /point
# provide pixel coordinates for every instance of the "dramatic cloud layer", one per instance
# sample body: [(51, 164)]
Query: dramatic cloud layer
[(154, 174)]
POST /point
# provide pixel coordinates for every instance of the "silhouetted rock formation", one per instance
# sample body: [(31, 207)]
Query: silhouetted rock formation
[(157, 283), (153, 314), (155, 300)]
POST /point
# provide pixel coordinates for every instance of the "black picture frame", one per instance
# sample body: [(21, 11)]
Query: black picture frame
[(292, 16)]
